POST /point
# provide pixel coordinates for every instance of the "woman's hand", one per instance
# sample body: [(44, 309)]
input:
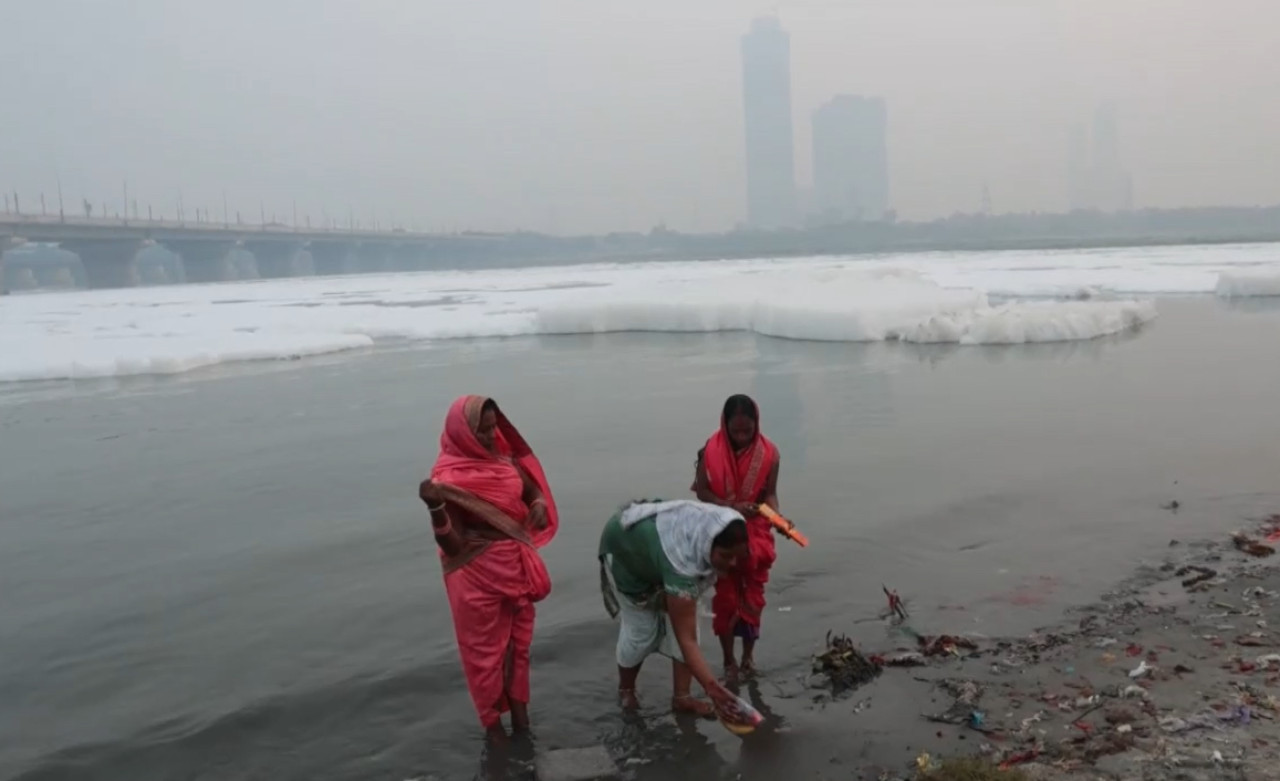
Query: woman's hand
[(724, 700), (430, 493), (538, 515), (747, 509)]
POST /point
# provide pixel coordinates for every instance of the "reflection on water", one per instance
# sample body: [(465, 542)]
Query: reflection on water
[(1252, 305), (239, 582)]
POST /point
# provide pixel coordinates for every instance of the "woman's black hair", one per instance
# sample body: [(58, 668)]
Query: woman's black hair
[(731, 536), (489, 406), (740, 404)]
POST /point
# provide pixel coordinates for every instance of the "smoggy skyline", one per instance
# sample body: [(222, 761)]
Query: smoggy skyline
[(576, 116)]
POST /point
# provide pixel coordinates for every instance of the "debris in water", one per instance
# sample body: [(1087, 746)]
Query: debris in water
[(1251, 546), (1141, 671), (896, 608), (900, 659), (844, 665), (1202, 574), (945, 645)]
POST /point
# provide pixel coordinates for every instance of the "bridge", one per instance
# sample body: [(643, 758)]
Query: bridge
[(108, 248)]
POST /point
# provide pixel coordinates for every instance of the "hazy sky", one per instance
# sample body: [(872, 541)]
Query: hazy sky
[(596, 115)]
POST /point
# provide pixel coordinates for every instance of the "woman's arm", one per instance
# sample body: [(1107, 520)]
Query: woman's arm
[(533, 498), (771, 487), (448, 536), (702, 487), (684, 621)]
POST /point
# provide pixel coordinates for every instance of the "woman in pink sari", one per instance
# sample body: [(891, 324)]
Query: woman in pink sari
[(491, 510), (738, 468)]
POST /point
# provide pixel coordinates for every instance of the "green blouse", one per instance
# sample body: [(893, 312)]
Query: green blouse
[(640, 568)]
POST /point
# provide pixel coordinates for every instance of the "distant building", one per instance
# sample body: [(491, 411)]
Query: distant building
[(850, 159), (1097, 178), (1079, 190), (766, 98)]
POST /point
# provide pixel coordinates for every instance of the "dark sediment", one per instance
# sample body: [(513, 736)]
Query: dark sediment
[(1173, 675)]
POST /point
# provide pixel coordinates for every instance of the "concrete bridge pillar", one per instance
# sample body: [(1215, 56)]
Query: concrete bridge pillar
[(277, 258), (205, 261), (409, 256), (334, 257), (377, 257), (107, 263), (6, 243)]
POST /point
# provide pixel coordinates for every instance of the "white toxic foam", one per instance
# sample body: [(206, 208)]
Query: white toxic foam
[(1248, 284), (838, 305), (963, 298)]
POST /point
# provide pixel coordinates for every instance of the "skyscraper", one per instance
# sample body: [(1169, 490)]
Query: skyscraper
[(766, 98), (1111, 181), (1097, 178), (1079, 188), (850, 159)]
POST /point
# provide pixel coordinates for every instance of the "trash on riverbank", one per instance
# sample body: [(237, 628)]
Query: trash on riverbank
[(844, 665), (967, 769), (1247, 544)]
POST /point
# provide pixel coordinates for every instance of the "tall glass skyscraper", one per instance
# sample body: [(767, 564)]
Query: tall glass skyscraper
[(766, 99)]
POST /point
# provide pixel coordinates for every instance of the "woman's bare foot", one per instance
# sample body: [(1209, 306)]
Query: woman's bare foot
[(693, 706), (748, 667), (627, 698), (731, 672)]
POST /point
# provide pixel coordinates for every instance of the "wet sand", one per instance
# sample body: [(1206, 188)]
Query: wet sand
[(1175, 674)]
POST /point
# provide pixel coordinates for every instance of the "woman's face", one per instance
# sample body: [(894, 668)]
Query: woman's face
[(742, 430), (487, 430), (723, 560)]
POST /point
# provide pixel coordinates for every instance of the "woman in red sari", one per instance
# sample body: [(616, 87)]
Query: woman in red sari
[(738, 468), (491, 510)]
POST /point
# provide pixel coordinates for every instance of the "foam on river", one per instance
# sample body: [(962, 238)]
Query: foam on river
[(964, 298)]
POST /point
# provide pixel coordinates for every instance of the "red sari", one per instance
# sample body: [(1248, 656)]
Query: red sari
[(742, 477), (494, 581)]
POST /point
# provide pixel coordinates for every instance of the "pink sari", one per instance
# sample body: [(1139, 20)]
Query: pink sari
[(742, 477), (494, 581)]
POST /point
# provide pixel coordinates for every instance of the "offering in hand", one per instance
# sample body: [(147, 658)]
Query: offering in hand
[(743, 719), (783, 525)]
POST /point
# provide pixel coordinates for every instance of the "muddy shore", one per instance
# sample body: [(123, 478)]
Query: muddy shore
[(1174, 674)]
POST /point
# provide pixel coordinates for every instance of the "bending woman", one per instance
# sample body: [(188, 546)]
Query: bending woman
[(656, 559), (738, 468), (491, 509)]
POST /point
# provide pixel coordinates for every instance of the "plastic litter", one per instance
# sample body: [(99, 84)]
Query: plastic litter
[(902, 659), (923, 762), (896, 608), (743, 719), (1246, 544), (1141, 671)]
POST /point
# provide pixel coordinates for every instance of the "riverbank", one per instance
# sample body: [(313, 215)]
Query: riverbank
[(1172, 675)]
